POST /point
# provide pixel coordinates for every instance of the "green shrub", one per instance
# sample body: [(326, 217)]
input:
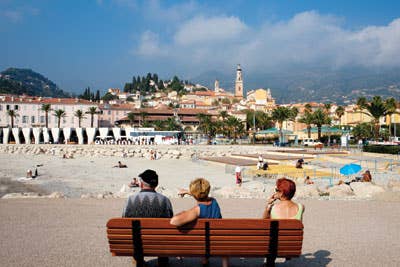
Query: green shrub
[(392, 149)]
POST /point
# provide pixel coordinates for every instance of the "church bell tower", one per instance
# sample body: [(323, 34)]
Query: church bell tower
[(239, 82)]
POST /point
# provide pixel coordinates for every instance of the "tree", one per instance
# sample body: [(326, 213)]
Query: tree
[(143, 115), (375, 109), (80, 115), (92, 111), (207, 126), (327, 107), (320, 118), (46, 108), (362, 131), (282, 114), (307, 119), (234, 127), (108, 96), (171, 124), (391, 106), (131, 118), (12, 114), (339, 112), (159, 125), (59, 113)]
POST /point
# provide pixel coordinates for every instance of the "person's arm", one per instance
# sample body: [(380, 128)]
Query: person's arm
[(126, 208), (182, 192), (185, 216), (268, 208)]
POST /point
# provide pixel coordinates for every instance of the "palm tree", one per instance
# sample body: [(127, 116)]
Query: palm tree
[(307, 119), (172, 124), (282, 114), (234, 127), (339, 112), (374, 109), (46, 108), (13, 114), (307, 107), (131, 118), (327, 107), (59, 113), (158, 125), (80, 115), (143, 116), (320, 118), (223, 115), (391, 106), (92, 111), (207, 126)]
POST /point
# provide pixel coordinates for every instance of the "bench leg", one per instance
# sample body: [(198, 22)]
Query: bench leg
[(270, 261), (137, 263)]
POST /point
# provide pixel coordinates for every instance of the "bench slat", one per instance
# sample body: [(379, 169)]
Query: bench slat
[(282, 240), (229, 232), (298, 233), (200, 223), (194, 253)]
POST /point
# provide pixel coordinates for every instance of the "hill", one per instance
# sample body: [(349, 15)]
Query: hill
[(341, 86), (26, 81)]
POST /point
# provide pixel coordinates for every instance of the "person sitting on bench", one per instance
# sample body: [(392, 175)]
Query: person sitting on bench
[(206, 207)]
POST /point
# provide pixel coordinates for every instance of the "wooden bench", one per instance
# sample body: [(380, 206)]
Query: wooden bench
[(139, 237)]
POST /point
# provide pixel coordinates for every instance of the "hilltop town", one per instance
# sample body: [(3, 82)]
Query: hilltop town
[(178, 106)]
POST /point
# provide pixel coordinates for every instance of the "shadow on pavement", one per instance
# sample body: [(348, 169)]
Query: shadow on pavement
[(319, 258)]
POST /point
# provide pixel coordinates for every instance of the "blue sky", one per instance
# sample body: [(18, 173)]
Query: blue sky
[(102, 43)]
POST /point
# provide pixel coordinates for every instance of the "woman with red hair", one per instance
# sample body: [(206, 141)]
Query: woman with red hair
[(285, 208)]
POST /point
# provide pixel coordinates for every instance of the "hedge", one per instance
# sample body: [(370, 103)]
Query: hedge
[(388, 149)]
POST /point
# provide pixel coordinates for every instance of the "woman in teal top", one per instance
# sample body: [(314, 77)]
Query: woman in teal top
[(285, 208)]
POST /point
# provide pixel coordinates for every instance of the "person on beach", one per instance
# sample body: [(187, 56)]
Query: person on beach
[(120, 165), (285, 208), (148, 203), (308, 181), (134, 183), (299, 164), (206, 207), (238, 175), (366, 176), (260, 162)]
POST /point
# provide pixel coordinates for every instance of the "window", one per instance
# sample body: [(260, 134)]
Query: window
[(24, 119), (1, 107), (16, 107), (33, 119), (42, 119), (8, 107), (109, 112)]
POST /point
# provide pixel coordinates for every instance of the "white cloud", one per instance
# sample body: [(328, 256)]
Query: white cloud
[(216, 29), (309, 38), (149, 45)]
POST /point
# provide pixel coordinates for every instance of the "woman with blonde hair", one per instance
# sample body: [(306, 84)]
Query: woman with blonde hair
[(207, 207)]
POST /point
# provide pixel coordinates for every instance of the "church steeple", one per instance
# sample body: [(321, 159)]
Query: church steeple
[(239, 82)]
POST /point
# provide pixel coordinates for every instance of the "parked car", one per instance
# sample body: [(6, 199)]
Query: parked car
[(311, 142)]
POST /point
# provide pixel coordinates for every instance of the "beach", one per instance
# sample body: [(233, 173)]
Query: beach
[(70, 231)]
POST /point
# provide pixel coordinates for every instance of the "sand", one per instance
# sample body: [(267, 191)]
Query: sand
[(71, 232)]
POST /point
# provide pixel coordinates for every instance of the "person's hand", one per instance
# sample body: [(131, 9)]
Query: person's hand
[(182, 192), (272, 199)]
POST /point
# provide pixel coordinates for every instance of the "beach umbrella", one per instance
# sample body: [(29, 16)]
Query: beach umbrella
[(350, 169)]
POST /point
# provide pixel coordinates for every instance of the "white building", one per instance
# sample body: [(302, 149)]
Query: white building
[(29, 112)]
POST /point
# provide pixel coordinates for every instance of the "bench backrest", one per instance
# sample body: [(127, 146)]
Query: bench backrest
[(205, 237)]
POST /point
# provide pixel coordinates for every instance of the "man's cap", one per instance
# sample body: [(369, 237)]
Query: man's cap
[(150, 177)]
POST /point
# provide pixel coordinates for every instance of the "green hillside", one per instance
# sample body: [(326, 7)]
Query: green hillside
[(25, 81)]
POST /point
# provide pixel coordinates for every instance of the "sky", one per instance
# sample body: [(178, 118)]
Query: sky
[(103, 43)]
